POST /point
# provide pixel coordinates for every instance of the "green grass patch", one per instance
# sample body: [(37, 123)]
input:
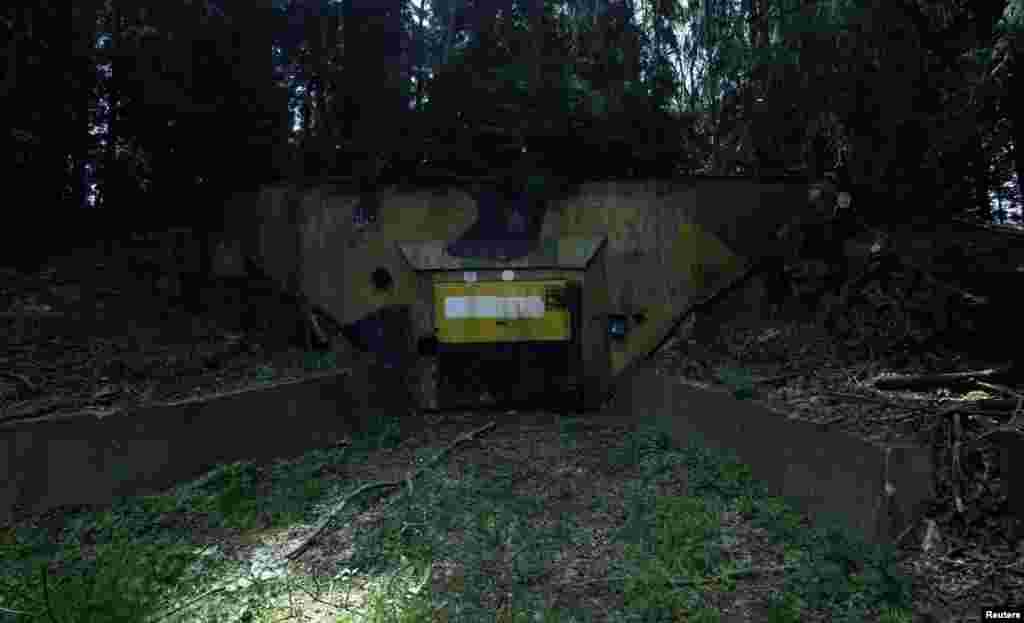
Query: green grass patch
[(675, 561)]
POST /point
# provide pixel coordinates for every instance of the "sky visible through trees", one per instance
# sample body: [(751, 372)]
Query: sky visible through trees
[(642, 13)]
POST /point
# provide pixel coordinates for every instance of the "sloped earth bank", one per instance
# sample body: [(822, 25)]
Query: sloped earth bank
[(960, 554), (101, 334)]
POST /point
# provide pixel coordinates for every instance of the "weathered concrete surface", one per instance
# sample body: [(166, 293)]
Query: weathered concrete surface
[(82, 459), (667, 242), (876, 489)]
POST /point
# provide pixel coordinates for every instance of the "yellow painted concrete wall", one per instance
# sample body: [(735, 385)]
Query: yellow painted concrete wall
[(668, 244), (423, 215), (657, 258)]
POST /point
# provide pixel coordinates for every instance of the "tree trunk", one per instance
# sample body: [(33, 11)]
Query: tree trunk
[(754, 109), (110, 176), (372, 57), (1017, 95), (327, 36), (84, 18)]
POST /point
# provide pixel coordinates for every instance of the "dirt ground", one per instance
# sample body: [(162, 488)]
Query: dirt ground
[(140, 347), (92, 333)]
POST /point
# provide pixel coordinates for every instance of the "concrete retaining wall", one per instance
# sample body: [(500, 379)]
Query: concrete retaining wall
[(821, 472), (82, 459), (877, 489)]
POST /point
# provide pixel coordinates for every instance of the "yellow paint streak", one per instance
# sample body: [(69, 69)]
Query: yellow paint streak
[(698, 254), (620, 357), (424, 216)]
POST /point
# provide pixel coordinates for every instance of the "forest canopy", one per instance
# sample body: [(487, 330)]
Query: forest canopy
[(157, 110)]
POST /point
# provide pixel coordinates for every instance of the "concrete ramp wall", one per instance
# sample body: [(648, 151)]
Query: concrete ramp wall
[(83, 459), (876, 489)]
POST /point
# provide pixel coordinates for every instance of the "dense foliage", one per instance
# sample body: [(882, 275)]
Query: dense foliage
[(155, 110)]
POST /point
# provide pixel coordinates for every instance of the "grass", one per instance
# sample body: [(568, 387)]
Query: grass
[(674, 567)]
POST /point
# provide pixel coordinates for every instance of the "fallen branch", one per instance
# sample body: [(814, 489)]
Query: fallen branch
[(321, 528), (780, 379), (1008, 391), (22, 380), (998, 405), (308, 541), (876, 400), (921, 381), (1002, 433)]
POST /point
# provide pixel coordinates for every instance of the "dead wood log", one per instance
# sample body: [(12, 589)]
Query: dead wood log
[(321, 528), (922, 381)]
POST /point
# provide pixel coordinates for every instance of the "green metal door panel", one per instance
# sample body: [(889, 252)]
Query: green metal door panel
[(500, 311)]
